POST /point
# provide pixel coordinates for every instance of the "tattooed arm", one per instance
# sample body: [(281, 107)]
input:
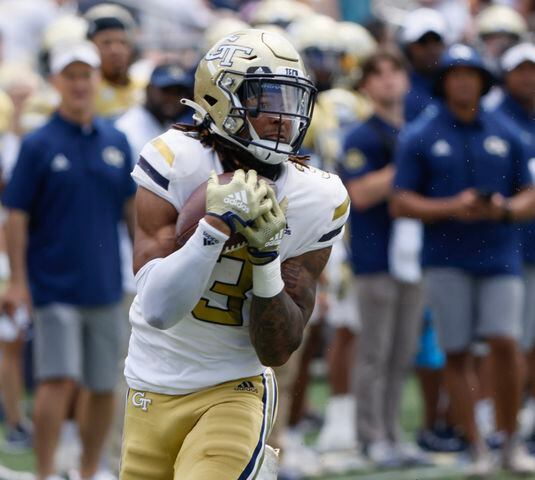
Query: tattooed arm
[(277, 323)]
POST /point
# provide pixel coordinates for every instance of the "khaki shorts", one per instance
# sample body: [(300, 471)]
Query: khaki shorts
[(78, 343), (469, 307), (218, 433)]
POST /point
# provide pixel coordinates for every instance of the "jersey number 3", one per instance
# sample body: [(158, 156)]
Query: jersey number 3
[(231, 279)]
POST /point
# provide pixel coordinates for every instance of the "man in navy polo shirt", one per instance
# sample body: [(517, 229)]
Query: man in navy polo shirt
[(464, 173), (422, 37), (390, 309), (518, 106), (69, 189)]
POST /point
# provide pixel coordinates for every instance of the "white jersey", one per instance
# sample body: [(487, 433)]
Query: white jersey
[(211, 345)]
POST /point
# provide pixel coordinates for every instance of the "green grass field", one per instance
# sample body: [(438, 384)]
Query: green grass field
[(318, 394)]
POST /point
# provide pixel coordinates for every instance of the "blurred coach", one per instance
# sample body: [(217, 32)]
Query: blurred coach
[(465, 175), (69, 189)]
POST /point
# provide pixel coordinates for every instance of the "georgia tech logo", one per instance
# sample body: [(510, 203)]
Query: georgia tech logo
[(139, 400), (496, 146), (226, 53)]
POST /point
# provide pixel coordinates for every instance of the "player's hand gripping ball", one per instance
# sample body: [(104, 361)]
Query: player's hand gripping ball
[(196, 208)]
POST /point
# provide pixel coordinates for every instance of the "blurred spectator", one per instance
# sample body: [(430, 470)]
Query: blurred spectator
[(456, 13), (279, 12), (168, 84), (316, 37), (338, 432), (22, 25), (19, 81), (112, 29), (68, 190), (391, 310), (498, 27), (465, 175), (63, 30), (422, 37), (518, 106), (173, 26)]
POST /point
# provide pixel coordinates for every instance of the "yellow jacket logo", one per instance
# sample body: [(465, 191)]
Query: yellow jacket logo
[(139, 400)]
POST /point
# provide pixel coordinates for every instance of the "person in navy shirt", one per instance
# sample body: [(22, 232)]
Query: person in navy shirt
[(422, 37), (68, 191), (390, 309), (518, 107), (464, 173)]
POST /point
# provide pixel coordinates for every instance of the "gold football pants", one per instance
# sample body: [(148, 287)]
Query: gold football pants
[(215, 434)]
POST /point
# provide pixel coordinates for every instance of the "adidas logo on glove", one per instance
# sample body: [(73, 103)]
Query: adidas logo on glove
[(238, 200), (276, 239)]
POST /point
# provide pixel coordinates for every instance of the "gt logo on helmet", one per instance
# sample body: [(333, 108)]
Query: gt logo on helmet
[(226, 53)]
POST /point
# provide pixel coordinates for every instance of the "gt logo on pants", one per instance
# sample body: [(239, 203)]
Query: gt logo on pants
[(139, 400)]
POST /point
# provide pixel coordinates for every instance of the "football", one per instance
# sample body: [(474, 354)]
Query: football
[(195, 208)]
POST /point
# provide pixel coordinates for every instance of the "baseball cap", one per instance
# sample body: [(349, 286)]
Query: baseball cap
[(421, 21), (460, 55), (65, 54), (512, 58), (170, 75), (107, 16)]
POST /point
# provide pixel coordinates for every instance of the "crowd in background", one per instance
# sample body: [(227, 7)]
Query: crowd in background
[(427, 112)]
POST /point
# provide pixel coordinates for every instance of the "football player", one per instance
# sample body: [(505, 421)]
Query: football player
[(209, 319)]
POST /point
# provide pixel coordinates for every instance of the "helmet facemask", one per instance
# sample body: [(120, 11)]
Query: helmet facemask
[(269, 113)]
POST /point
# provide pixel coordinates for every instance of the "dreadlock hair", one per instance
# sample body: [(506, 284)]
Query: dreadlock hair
[(233, 157)]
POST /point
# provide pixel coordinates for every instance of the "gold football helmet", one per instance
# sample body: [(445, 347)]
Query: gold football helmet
[(317, 40), (251, 89), (357, 45), (500, 19)]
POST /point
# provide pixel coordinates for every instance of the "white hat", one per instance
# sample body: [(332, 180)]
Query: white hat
[(65, 54), (512, 58), (421, 21)]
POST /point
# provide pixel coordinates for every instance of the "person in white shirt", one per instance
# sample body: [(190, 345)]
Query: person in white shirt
[(167, 85)]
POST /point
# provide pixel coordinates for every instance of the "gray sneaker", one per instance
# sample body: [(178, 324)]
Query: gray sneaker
[(17, 439)]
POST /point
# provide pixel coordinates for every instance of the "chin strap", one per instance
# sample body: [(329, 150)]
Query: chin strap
[(200, 113)]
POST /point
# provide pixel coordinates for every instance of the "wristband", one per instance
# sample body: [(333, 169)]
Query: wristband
[(210, 234), (267, 279)]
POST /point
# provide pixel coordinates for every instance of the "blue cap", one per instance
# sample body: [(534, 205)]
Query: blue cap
[(460, 55), (171, 75)]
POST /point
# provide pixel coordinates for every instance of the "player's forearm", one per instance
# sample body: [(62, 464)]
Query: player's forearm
[(282, 303), (17, 241), (276, 328), (170, 287)]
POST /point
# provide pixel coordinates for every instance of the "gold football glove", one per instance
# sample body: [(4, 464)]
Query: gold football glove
[(239, 202), (265, 234)]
